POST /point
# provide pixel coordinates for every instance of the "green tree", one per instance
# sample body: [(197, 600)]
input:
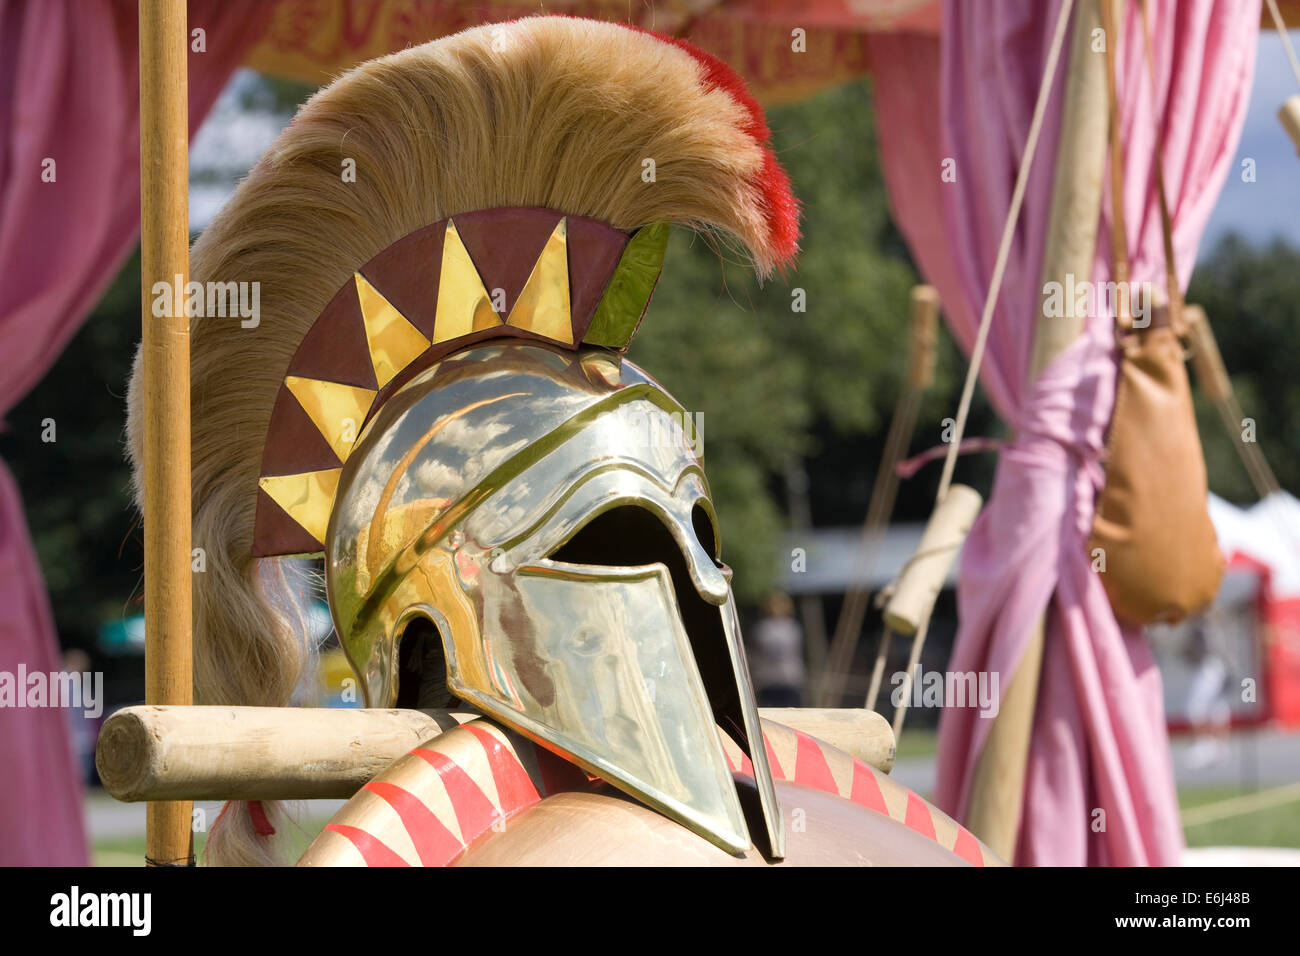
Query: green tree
[(772, 383), (1251, 294)]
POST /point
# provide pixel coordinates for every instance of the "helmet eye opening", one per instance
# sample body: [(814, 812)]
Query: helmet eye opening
[(422, 668), (706, 531), (625, 536)]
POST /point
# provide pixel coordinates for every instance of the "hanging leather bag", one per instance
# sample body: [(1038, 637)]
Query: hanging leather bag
[(1152, 539)]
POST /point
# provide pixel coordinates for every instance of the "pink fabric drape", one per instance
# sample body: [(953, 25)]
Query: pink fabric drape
[(69, 92), (1099, 787)]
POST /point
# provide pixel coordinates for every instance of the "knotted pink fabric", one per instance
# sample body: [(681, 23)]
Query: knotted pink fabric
[(69, 92), (1099, 784)]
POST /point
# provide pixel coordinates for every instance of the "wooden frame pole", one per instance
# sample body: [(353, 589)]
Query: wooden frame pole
[(922, 346), (998, 787), (300, 753), (1213, 379), (164, 257)]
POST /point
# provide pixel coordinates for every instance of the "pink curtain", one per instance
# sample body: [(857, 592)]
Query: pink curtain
[(69, 92), (1099, 786)]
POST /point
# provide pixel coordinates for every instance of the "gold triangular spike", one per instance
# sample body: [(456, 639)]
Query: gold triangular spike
[(337, 410), (463, 304), (307, 498), (394, 342), (543, 305)]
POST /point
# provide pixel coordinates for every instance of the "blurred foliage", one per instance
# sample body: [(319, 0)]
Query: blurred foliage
[(774, 385), (1251, 295), (273, 94)]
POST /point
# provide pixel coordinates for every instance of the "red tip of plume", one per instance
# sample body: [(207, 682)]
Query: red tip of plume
[(780, 207)]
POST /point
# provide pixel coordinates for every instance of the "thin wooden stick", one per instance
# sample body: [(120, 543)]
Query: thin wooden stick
[(164, 257), (920, 375), (878, 670), (1286, 38), (1213, 379)]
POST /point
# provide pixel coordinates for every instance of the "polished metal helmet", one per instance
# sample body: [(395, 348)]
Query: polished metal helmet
[(526, 518), (548, 513)]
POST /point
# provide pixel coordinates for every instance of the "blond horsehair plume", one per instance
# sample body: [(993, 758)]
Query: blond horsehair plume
[(549, 113)]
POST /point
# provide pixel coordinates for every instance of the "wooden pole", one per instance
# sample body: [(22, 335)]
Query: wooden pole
[(1076, 195), (993, 814), (164, 257), (997, 791), (257, 753), (298, 753), (922, 578), (922, 346), (1213, 378)]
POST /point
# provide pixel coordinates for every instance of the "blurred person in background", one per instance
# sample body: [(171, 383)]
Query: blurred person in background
[(777, 664), (1208, 711)]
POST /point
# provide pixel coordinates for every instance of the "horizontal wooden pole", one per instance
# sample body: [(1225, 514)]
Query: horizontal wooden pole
[(923, 577), (297, 753), (1289, 114), (255, 753), (858, 732)]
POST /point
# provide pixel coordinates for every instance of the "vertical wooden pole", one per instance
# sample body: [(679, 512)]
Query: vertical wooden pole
[(1076, 192), (922, 347), (1212, 377), (164, 257), (997, 790)]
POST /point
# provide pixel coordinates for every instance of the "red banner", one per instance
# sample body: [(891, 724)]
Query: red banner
[(785, 51)]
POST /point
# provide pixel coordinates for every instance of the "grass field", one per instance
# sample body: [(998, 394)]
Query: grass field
[(1269, 826)]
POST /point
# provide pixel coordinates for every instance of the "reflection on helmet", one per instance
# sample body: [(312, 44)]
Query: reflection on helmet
[(548, 513)]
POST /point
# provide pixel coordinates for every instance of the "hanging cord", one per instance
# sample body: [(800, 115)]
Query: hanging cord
[(1004, 248), (1286, 39), (986, 319), (1257, 466), (1175, 291), (1212, 375), (1118, 228), (1205, 350), (1213, 380)]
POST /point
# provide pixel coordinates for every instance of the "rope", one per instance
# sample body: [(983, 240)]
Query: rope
[(986, 320), (1286, 38), (1004, 248), (1252, 456)]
